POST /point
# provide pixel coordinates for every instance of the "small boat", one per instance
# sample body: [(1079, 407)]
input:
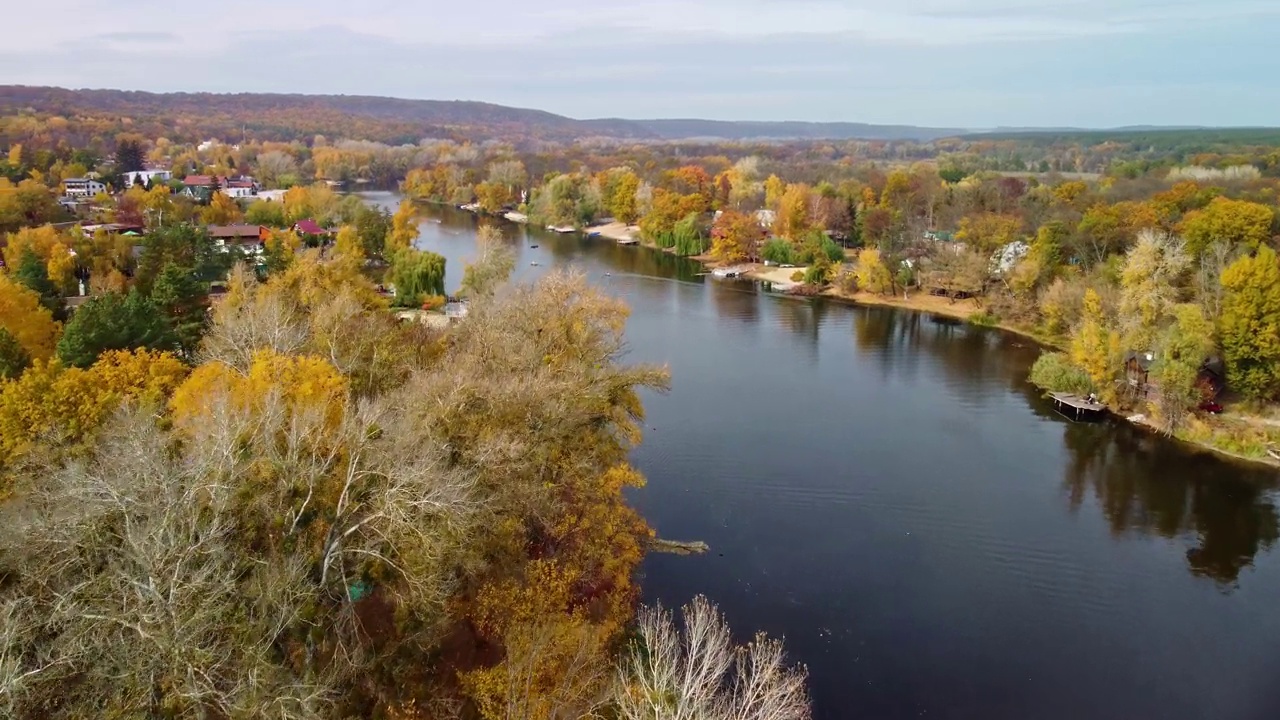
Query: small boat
[(534, 263), (594, 234), (533, 247)]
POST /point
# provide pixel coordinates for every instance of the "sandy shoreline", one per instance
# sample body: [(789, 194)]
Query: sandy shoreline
[(619, 231)]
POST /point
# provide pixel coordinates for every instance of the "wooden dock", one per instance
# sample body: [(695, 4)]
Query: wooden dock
[(1077, 408)]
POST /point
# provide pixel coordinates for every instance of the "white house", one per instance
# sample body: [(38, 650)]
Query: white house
[(147, 176), (82, 187)]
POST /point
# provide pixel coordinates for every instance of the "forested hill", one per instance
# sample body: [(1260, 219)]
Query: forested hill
[(393, 120), (749, 130)]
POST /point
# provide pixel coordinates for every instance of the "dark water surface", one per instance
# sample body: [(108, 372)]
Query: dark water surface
[(884, 489)]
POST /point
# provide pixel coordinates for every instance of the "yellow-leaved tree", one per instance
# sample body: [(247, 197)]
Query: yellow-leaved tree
[(1094, 348), (27, 320), (872, 274)]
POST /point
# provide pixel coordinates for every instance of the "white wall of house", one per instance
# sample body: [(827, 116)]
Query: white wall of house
[(238, 192), (153, 176), (78, 187)]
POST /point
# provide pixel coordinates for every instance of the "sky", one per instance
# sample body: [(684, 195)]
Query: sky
[(941, 63)]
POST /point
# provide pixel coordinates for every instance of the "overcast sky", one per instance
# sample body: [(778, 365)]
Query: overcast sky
[(950, 63)]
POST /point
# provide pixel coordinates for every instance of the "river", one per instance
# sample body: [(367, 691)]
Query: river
[(884, 490)]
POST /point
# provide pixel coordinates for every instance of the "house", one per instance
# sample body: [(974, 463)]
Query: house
[(1211, 378), (246, 237), (271, 195), (145, 177), (309, 227), (239, 187), (82, 187), (199, 187)]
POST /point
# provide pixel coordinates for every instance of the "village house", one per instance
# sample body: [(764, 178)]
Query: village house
[(310, 227), (82, 187), (201, 186), (249, 238), (1211, 378)]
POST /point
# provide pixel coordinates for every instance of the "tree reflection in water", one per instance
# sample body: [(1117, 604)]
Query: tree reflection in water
[(1144, 484)]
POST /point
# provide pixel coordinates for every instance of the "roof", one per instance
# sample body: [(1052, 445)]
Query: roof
[(235, 231), (78, 180), (197, 180), (310, 227), (1145, 359)]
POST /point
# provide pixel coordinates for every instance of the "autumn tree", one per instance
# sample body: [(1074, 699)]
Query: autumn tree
[(988, 232), (1149, 285), (130, 157), (32, 273), (1094, 348), (404, 230), (27, 320), (734, 236), (794, 220), (872, 274), (1234, 222), (13, 357), (482, 277), (1250, 324), (1182, 350), (222, 210)]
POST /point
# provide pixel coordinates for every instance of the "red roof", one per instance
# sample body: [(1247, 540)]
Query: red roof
[(197, 180), (310, 227)]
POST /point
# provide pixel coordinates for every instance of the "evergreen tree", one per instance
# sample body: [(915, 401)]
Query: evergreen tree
[(114, 322), (13, 357), (129, 157), (183, 300), (34, 275)]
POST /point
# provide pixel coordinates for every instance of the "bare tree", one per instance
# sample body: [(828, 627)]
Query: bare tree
[(700, 675)]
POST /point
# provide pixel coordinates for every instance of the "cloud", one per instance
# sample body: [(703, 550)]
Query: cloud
[(966, 63)]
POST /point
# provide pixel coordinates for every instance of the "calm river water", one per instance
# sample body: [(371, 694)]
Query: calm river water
[(885, 490)]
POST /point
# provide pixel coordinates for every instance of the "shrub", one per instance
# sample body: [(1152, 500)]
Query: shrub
[(1055, 372), (797, 276), (779, 252), (984, 318)]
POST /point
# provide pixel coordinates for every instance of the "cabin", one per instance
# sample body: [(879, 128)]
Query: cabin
[(1211, 377)]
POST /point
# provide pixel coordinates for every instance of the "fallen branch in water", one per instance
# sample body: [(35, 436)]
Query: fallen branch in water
[(678, 547)]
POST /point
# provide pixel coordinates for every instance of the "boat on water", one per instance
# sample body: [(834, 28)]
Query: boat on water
[(728, 272), (1078, 409)]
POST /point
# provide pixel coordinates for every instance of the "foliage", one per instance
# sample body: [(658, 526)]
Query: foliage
[(1235, 222), (1149, 283), (416, 274), (872, 274), (1250, 324), (734, 236), (183, 300), (114, 322), (989, 232), (26, 320), (265, 212), (31, 274), (1054, 372), (778, 252), (13, 357), (404, 230), (1095, 348), (491, 269), (1183, 349)]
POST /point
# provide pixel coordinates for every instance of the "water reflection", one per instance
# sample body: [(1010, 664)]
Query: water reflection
[(1141, 487)]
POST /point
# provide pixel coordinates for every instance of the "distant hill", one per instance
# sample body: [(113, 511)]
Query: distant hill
[(288, 116), (683, 129), (266, 116)]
